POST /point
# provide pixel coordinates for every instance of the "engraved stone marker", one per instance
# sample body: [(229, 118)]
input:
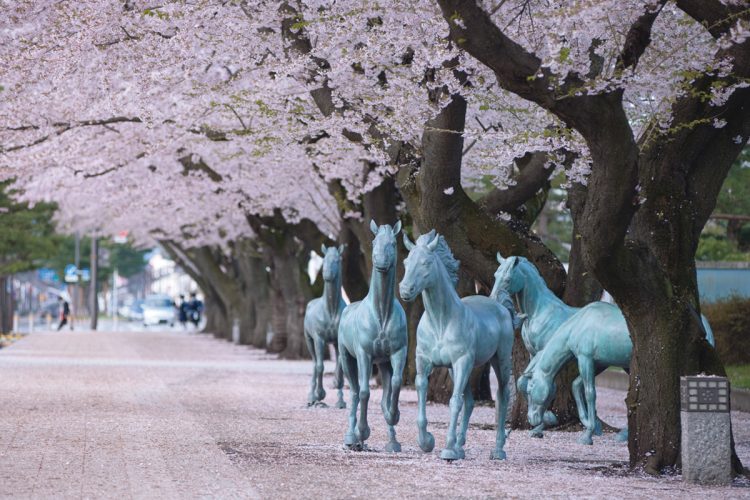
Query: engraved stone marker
[(706, 452)]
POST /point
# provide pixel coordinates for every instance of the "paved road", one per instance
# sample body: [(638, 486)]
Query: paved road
[(181, 415)]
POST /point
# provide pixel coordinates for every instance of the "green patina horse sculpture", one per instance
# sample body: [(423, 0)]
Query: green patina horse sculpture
[(541, 311), (322, 317), (374, 330), (455, 333), (554, 333)]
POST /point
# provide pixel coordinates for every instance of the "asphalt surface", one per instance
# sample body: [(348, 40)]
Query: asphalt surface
[(174, 414)]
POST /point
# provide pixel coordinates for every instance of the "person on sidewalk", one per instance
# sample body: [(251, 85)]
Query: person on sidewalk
[(64, 313), (182, 311), (195, 309)]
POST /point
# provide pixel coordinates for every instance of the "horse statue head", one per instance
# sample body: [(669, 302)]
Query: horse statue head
[(384, 246), (540, 391), (509, 275), (332, 262), (429, 260)]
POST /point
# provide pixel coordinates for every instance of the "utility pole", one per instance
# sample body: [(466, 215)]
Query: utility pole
[(114, 298), (93, 302)]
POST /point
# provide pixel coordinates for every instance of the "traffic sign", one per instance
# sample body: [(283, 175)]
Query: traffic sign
[(71, 274)]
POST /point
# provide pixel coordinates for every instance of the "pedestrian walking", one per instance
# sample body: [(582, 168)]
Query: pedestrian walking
[(195, 308), (182, 311), (64, 313)]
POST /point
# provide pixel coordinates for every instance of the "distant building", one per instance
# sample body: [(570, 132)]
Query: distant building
[(167, 277)]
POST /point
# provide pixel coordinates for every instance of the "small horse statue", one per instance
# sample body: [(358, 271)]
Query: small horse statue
[(457, 333), (541, 311), (597, 336), (322, 325), (374, 330), (546, 316)]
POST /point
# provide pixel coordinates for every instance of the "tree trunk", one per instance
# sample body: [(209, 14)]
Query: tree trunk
[(435, 200), (217, 316), (354, 276), (6, 305)]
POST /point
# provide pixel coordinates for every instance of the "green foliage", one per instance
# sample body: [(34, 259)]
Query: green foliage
[(153, 12), (724, 239), (716, 248), (734, 197), (730, 321), (27, 236), (564, 54), (739, 376), (554, 225)]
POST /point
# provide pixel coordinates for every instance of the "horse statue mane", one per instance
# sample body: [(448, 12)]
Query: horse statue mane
[(530, 269), (444, 254)]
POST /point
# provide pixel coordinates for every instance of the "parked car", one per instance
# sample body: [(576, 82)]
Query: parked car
[(158, 310)]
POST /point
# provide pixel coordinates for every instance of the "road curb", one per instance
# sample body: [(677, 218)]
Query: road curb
[(740, 398)]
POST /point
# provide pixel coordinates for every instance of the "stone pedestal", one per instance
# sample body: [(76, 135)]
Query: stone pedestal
[(706, 430)]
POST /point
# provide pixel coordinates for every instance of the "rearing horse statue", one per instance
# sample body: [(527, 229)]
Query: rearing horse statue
[(322, 317), (374, 330), (457, 333)]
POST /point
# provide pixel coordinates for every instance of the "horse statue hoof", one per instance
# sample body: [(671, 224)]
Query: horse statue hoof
[(428, 444), (449, 454), (350, 439), (622, 436), (393, 447), (363, 434), (585, 439), (461, 453), (536, 434), (340, 405), (498, 455)]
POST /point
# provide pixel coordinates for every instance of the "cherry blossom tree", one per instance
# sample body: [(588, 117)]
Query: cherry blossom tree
[(659, 93), (242, 134)]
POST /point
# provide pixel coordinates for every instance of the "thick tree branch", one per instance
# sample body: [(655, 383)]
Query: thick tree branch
[(599, 118), (716, 16), (533, 176), (63, 127), (638, 38)]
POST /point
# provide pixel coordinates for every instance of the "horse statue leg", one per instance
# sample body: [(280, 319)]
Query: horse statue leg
[(338, 379), (426, 440), (364, 367), (320, 392), (465, 416), (580, 396), (461, 371), (587, 371), (311, 348), (521, 384), (349, 367), (390, 406), (386, 374), (503, 373)]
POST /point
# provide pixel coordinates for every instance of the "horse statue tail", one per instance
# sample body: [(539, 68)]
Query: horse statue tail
[(504, 298)]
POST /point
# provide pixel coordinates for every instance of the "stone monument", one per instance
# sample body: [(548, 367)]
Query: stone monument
[(706, 430)]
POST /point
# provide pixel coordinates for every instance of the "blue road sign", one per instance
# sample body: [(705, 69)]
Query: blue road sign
[(71, 274)]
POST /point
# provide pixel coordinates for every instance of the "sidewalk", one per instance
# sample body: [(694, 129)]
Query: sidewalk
[(178, 415)]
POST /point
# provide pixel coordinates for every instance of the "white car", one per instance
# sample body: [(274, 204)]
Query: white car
[(158, 310)]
